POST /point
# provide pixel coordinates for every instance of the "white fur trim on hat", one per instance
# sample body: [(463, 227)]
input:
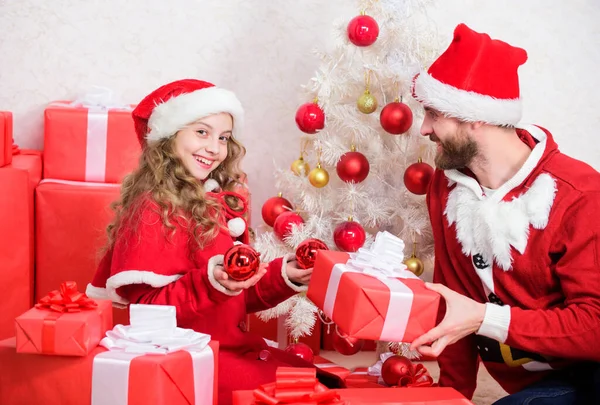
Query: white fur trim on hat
[(466, 105), (174, 114)]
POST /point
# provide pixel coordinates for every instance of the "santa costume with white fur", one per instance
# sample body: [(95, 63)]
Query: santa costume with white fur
[(149, 264), (530, 249)]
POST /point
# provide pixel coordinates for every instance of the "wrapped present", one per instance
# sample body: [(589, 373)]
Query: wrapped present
[(62, 380), (17, 182), (401, 372), (181, 371), (274, 330), (90, 139), (299, 386), (6, 138), (329, 366), (65, 322), (360, 378), (358, 292), (70, 232)]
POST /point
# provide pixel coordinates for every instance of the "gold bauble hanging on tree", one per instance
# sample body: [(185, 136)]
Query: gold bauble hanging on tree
[(415, 265), (318, 177), (299, 167), (366, 103)]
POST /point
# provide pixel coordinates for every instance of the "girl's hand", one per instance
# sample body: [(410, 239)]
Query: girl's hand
[(297, 275), (237, 286)]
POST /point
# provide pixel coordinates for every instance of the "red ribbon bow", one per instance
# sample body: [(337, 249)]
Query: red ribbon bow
[(298, 386), (419, 377), (68, 299)]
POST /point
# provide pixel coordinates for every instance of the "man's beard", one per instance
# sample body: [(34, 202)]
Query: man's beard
[(456, 153)]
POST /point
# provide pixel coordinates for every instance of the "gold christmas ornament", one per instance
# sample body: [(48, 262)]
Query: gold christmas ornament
[(300, 167), (415, 265), (318, 176), (366, 103)]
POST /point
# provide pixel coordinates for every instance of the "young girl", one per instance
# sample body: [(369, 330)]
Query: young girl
[(167, 242)]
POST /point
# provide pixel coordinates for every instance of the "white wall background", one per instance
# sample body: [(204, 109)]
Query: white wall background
[(261, 49)]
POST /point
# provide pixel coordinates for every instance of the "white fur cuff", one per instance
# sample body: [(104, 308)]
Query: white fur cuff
[(297, 288), (495, 322), (212, 263)]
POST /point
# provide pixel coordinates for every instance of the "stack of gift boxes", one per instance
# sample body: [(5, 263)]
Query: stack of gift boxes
[(53, 230)]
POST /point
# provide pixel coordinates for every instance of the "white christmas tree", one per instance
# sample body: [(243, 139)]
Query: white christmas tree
[(355, 73)]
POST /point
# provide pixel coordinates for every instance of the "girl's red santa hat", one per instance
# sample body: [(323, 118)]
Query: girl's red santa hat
[(475, 79), (173, 106)]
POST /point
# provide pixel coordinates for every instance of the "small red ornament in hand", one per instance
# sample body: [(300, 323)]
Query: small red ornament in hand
[(396, 118), (283, 224), (349, 236), (346, 345), (273, 207), (301, 350), (363, 30), (353, 167), (241, 262), (306, 253), (395, 369), (310, 118), (417, 177)]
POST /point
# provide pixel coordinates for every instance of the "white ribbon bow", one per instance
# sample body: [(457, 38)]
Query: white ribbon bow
[(153, 329), (99, 98)]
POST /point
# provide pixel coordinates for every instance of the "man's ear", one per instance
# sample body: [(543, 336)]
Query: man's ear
[(476, 125)]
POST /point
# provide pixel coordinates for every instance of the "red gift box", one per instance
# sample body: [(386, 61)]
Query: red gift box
[(92, 144), (359, 303), (359, 378), (55, 380), (17, 182), (71, 221), (6, 138), (330, 367), (275, 330)]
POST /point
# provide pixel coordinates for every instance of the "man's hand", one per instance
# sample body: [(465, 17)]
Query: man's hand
[(236, 286), (297, 275), (463, 317)]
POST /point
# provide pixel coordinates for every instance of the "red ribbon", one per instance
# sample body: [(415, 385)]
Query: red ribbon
[(418, 377), (67, 299), (297, 386)]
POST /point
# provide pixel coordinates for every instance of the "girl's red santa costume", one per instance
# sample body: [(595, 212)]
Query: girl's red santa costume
[(151, 265), (530, 250)]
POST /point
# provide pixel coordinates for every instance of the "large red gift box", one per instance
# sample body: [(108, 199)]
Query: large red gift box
[(94, 144), (71, 221), (359, 303), (56, 380), (6, 140), (17, 182), (46, 329)]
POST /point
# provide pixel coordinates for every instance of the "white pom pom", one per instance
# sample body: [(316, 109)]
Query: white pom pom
[(236, 226), (211, 185)]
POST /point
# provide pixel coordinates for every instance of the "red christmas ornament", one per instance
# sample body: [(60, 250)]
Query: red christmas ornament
[(283, 224), (363, 30), (347, 345), (301, 350), (353, 167), (306, 253), (310, 118), (273, 207), (395, 369), (349, 236), (417, 177), (241, 262), (396, 118)]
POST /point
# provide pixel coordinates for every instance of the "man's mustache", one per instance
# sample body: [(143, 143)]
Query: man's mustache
[(433, 138)]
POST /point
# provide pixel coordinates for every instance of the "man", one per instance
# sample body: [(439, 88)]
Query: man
[(516, 225)]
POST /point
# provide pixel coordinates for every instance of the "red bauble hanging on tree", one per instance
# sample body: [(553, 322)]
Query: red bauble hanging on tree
[(395, 369), (283, 223), (310, 118), (396, 118), (353, 167), (301, 350), (417, 177), (346, 345), (349, 236), (241, 262), (273, 207), (306, 252), (363, 30)]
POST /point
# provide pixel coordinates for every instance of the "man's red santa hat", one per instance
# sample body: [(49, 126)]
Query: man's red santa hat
[(475, 79)]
